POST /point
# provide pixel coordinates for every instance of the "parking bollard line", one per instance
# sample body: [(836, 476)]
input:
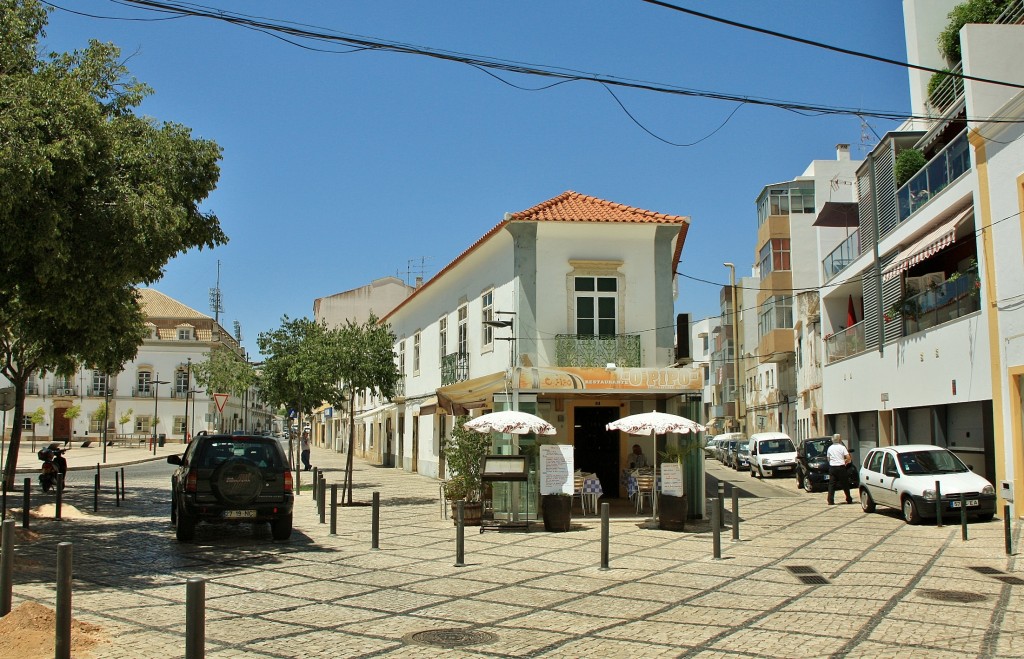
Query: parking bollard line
[(195, 618), (716, 529), (735, 514), (320, 489), (605, 507), (938, 503), (117, 489), (375, 522), (62, 649), (963, 517), (460, 534), (334, 509), (96, 491), (27, 503), (721, 505), (6, 567), (1007, 537), (316, 483), (124, 490)]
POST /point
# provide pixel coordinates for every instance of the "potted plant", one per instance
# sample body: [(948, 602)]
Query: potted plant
[(908, 163), (557, 512), (464, 454)]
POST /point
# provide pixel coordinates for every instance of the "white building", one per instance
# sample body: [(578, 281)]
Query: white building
[(564, 310), (936, 297), (151, 386)]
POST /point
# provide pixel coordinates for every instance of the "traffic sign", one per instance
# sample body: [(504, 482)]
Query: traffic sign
[(220, 400), (7, 398)]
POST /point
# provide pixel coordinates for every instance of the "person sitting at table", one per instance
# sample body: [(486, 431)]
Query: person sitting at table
[(637, 459)]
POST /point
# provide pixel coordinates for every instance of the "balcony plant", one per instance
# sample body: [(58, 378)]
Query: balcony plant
[(908, 163), (971, 11), (464, 454)]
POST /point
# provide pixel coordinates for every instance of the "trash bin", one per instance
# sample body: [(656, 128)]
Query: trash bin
[(161, 439)]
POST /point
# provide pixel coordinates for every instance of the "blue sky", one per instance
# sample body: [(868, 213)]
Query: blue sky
[(342, 168)]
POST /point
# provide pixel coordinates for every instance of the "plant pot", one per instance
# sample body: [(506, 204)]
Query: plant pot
[(472, 511), (557, 511), (672, 512)]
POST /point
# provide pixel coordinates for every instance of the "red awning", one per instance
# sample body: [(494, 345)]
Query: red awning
[(928, 245)]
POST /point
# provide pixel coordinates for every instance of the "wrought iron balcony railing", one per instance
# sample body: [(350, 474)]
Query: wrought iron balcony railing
[(454, 368), (63, 390), (581, 350)]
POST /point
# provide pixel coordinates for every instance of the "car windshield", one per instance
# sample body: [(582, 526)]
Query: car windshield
[(776, 446), (743, 450), (815, 449), (930, 462), (261, 453)]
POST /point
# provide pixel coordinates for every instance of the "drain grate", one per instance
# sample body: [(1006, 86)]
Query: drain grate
[(1013, 581), (813, 579), (984, 569), (452, 638), (961, 596), (801, 569)]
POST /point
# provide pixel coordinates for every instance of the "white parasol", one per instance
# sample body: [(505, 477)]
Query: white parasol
[(653, 424), (512, 422)]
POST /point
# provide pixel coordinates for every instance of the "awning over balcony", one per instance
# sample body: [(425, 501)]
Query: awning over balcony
[(457, 397), (930, 244), (838, 214)]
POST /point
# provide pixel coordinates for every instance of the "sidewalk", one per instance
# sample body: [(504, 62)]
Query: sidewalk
[(80, 458)]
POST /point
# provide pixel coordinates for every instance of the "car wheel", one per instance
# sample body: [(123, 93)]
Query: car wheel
[(910, 514), (184, 527), (867, 504), (807, 483), (237, 482), (281, 528)]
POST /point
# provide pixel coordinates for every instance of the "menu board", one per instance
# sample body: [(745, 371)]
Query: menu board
[(556, 469), (672, 479)]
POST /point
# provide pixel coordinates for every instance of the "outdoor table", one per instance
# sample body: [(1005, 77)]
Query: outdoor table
[(592, 490)]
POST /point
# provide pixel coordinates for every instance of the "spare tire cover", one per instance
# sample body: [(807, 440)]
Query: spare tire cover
[(238, 481)]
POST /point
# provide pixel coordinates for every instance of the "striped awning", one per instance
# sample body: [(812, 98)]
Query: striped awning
[(928, 245)]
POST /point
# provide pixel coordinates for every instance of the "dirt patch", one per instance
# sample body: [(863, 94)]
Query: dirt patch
[(25, 535), (28, 631), (49, 511)]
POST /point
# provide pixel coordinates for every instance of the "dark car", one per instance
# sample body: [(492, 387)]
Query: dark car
[(231, 479), (812, 465)]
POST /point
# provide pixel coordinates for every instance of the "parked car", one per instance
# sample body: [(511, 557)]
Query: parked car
[(730, 451), (772, 454), (231, 479), (720, 444), (709, 447), (904, 477), (812, 465), (741, 457)]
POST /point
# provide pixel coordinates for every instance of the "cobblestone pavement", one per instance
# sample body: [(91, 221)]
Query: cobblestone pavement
[(805, 580)]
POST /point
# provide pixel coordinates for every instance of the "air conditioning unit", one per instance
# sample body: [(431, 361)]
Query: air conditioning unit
[(67, 392)]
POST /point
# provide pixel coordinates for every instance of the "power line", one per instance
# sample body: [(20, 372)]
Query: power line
[(825, 46), (302, 31)]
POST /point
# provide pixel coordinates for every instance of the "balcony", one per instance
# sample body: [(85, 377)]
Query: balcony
[(952, 299), (400, 388), (32, 389), (841, 256), (97, 392), (586, 350), (142, 392), (845, 343), (454, 368), (947, 166), (62, 390)]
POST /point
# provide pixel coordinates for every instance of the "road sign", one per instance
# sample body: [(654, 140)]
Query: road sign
[(220, 400), (7, 398)]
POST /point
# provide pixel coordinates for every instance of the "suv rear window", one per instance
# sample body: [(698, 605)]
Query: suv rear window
[(261, 453)]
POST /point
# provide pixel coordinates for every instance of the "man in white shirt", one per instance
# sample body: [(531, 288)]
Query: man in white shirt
[(838, 459), (637, 459)]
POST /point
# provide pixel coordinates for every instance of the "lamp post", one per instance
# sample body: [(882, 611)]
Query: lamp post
[(188, 388), (106, 413), (735, 346), (510, 324), (156, 399)]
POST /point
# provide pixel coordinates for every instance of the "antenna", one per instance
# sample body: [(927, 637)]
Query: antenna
[(414, 271), (216, 301), (238, 332)]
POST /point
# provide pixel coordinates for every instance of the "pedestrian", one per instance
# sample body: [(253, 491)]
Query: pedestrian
[(637, 459), (838, 467), (305, 451)]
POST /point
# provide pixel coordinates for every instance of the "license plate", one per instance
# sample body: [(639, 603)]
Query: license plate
[(824, 477), (239, 514), (783, 468), (970, 503)]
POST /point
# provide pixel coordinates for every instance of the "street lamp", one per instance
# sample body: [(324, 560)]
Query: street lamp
[(735, 346), (156, 400), (106, 412), (188, 387), (510, 324)]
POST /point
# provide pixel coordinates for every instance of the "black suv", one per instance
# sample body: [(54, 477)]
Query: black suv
[(231, 479), (812, 465)]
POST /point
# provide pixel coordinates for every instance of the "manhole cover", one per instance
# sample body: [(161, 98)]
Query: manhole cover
[(953, 596), (813, 579), (452, 638), (801, 569)]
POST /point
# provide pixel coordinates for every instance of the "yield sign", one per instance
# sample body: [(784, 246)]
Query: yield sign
[(220, 400)]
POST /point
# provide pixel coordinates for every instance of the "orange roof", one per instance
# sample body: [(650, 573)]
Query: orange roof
[(570, 207)]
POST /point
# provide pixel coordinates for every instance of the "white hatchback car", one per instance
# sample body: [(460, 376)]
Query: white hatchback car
[(904, 477)]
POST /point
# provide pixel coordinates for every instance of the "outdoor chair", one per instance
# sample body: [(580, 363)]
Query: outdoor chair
[(644, 490), (577, 492)]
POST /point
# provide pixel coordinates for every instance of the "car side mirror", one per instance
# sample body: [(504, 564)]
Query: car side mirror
[(174, 459), (892, 473), (971, 467)]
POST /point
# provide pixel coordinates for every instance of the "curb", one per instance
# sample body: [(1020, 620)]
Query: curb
[(109, 465)]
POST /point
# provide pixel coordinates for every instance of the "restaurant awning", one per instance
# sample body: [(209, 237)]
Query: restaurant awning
[(428, 406), (470, 394), (928, 245)]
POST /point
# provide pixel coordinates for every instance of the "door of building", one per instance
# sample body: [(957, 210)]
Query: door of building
[(61, 427), (414, 467), (597, 449)]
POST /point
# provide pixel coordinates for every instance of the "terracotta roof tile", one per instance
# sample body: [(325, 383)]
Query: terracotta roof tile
[(157, 305)]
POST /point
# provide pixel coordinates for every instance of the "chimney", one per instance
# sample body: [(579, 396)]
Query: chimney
[(842, 152), (419, 281)]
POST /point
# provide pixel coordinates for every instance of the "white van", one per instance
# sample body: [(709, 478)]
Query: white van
[(772, 454)]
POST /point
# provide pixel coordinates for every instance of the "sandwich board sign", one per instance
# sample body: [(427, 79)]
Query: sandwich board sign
[(220, 400)]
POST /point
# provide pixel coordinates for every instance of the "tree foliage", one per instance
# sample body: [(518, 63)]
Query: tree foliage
[(972, 11), (94, 201), (224, 371)]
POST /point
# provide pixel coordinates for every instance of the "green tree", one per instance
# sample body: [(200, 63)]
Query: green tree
[(225, 371), (36, 418), (972, 11), (94, 201), (72, 413), (363, 358), (125, 418)]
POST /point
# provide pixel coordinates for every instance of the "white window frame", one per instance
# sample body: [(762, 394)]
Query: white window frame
[(596, 296), (143, 423), (463, 329), (144, 384), (442, 338), (486, 314), (401, 358), (416, 353)]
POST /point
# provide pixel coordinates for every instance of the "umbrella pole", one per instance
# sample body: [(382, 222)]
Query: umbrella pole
[(654, 495)]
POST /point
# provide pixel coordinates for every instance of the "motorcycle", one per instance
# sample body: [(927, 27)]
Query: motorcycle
[(55, 467)]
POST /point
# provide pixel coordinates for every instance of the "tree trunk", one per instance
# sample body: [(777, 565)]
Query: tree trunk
[(11, 464)]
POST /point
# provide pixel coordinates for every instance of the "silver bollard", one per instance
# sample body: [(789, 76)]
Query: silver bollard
[(375, 522), (62, 641), (716, 528), (334, 509), (460, 534), (735, 514), (7, 567), (195, 618), (604, 535)]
